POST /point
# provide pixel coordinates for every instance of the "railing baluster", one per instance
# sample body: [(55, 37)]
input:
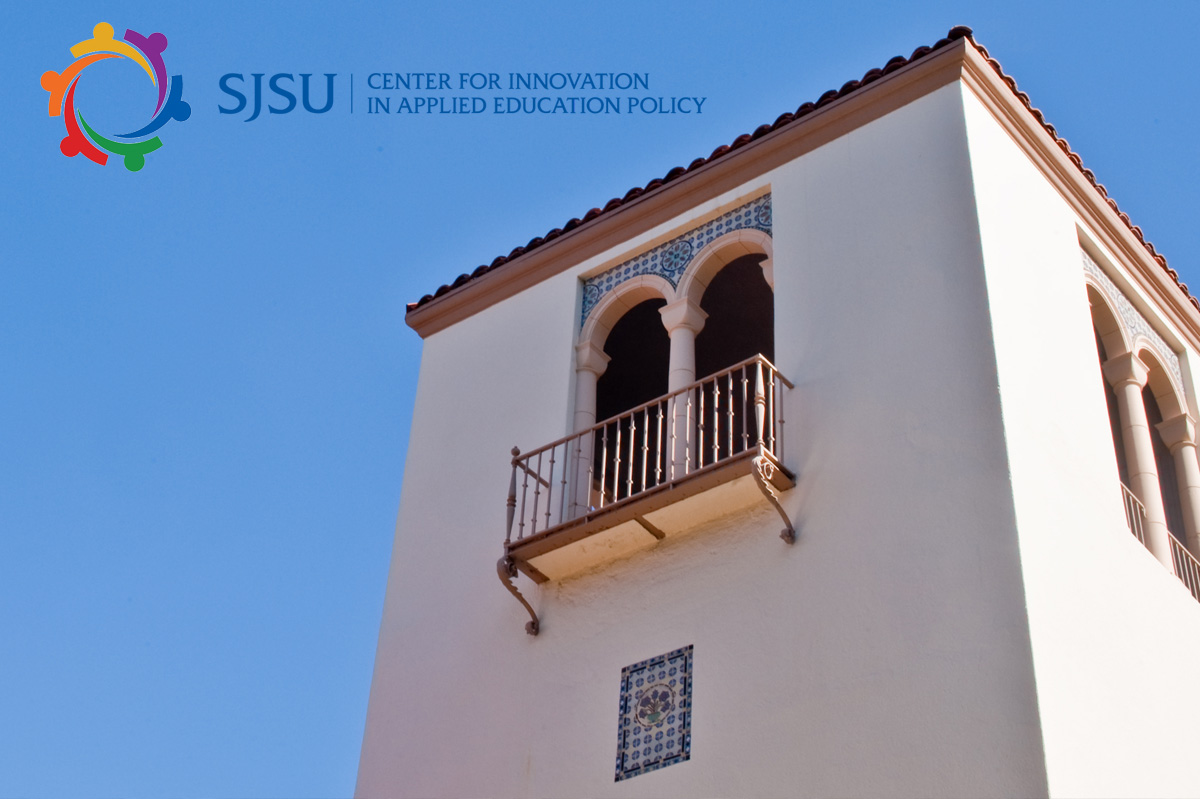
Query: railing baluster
[(771, 408), (603, 464), (616, 494), (777, 388), (562, 500), (745, 412), (550, 487), (511, 505), (629, 467), (524, 496), (729, 414), (672, 413), (537, 492), (700, 431), (658, 446), (591, 478), (760, 401), (716, 420), (645, 445), (687, 436)]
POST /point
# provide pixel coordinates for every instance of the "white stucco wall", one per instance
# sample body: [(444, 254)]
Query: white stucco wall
[(886, 653), (1116, 638)]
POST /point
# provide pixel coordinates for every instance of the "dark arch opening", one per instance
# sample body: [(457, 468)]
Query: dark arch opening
[(741, 324), (640, 353), (741, 317), (1164, 461)]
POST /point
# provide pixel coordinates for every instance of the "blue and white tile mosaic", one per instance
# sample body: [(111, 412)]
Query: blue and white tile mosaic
[(654, 729), (669, 260), (1134, 322)]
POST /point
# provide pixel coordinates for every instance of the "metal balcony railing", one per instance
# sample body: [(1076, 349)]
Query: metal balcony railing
[(1183, 562), (1135, 514), (1187, 568), (652, 446)]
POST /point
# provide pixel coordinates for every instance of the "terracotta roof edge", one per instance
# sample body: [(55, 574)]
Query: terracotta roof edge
[(896, 62)]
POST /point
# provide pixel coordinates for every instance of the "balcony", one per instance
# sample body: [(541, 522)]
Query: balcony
[(656, 471)]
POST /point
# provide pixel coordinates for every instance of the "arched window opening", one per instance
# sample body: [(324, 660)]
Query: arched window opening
[(1114, 416), (1168, 481), (741, 324), (640, 352), (741, 317)]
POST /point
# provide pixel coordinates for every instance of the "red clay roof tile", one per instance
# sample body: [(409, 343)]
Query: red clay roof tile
[(896, 62)]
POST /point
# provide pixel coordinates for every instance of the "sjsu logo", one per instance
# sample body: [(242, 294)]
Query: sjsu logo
[(276, 85), (146, 52)]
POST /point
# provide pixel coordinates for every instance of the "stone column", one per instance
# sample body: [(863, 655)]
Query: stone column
[(1127, 375), (590, 364), (683, 320), (1180, 435)]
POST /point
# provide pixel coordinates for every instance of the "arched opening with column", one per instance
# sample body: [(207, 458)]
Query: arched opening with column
[(644, 457), (646, 339), (1173, 438), (1110, 342), (1162, 403), (730, 282), (741, 316), (1153, 439), (643, 356), (622, 361)]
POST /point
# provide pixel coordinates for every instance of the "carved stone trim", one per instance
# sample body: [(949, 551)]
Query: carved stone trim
[(1134, 322)]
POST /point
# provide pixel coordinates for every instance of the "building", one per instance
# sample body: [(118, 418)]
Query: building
[(894, 489)]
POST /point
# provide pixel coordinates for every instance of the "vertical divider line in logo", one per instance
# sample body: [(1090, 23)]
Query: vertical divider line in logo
[(351, 92)]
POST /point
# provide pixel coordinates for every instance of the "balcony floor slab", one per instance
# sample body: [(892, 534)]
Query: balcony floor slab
[(639, 522)]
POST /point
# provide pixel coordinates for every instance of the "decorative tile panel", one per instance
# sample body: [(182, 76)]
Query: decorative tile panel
[(1133, 321), (654, 729), (669, 260)]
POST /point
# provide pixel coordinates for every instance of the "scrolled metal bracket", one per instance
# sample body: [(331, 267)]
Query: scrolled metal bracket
[(764, 470), (506, 567)]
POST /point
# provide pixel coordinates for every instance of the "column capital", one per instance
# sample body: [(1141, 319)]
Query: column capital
[(683, 313), (1127, 368), (1178, 432), (590, 358)]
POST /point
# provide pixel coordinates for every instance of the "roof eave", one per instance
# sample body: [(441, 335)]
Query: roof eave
[(857, 103), (696, 186)]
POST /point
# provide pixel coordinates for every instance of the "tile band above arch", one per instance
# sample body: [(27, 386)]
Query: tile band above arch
[(670, 259)]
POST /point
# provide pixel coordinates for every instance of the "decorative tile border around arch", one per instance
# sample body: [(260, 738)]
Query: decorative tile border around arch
[(669, 260), (1133, 321)]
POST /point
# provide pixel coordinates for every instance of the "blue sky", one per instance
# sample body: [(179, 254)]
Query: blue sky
[(205, 378)]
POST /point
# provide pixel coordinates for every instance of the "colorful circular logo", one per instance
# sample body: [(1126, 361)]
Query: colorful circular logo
[(146, 52)]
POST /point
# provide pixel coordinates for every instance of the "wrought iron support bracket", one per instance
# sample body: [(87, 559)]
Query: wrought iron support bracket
[(506, 567), (764, 470)]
